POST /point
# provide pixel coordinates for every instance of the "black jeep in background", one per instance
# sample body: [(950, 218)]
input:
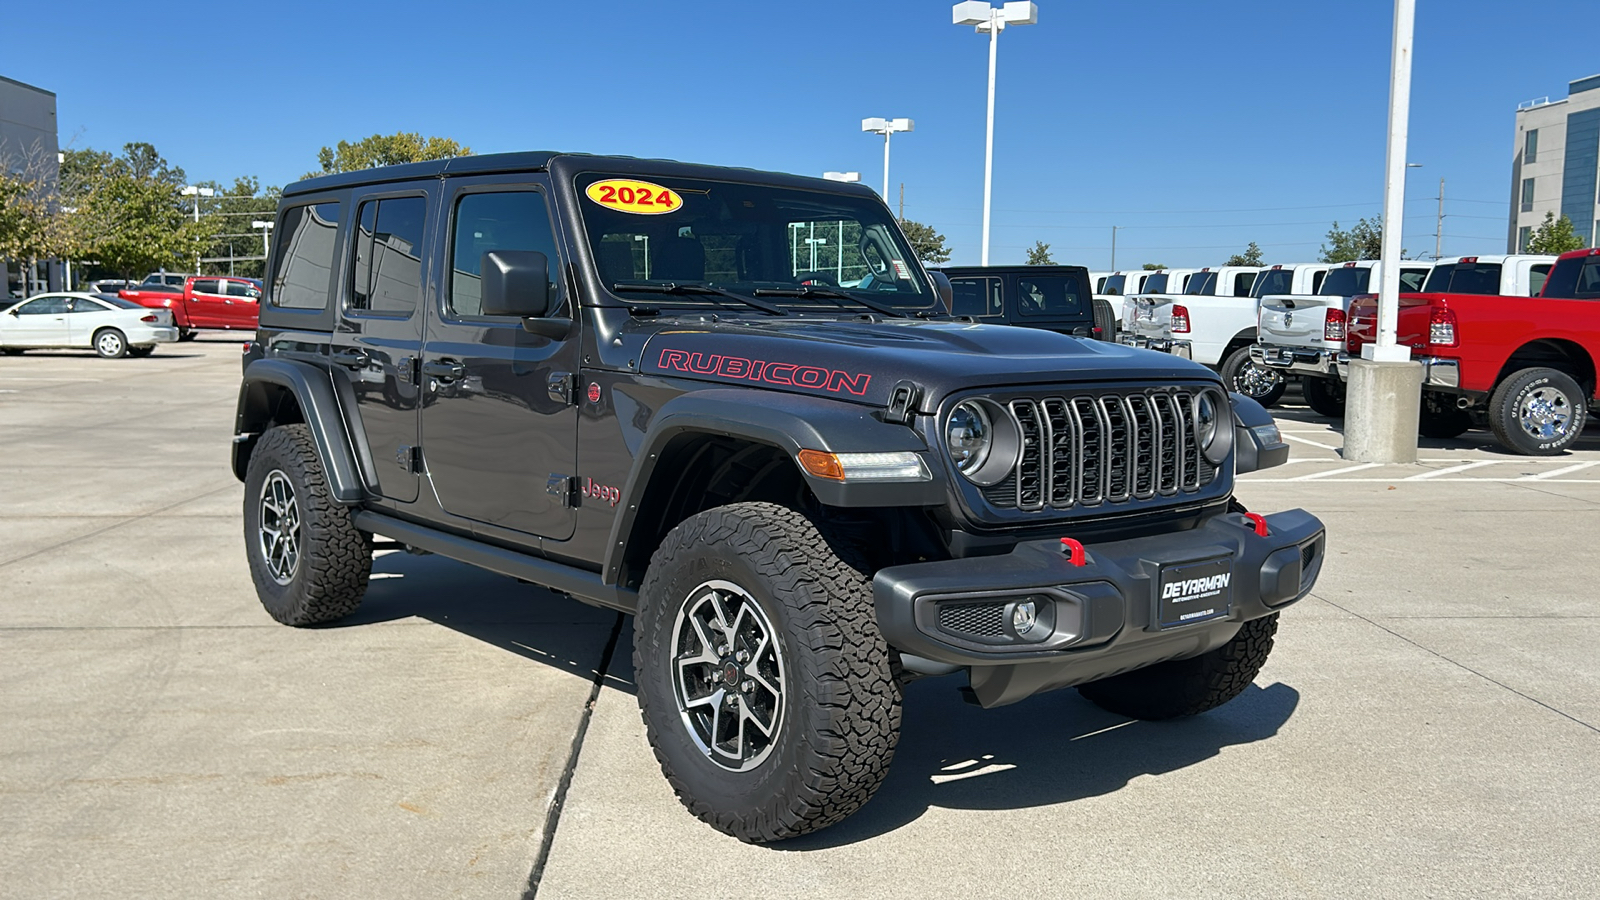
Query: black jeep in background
[(631, 381), (1055, 298)]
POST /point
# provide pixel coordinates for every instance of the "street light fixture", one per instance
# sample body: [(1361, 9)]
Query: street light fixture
[(190, 190), (991, 20), (848, 177), (265, 228), (886, 127)]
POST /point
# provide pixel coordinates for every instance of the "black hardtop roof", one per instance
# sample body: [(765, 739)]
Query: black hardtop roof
[(1017, 269), (540, 160)]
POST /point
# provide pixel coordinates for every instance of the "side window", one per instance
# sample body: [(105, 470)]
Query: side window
[(1316, 281), (305, 256), (510, 220), (44, 306), (1589, 279), (1536, 277), (387, 274), (1411, 279), (206, 286), (1242, 283), (85, 305), (975, 297), (1050, 295), (240, 289)]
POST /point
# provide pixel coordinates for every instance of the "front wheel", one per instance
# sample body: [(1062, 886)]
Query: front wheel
[(1325, 396), (1187, 687), (1538, 412), (1259, 383), (185, 334), (141, 352), (764, 682), (110, 343)]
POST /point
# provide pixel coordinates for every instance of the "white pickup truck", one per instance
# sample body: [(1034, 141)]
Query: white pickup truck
[(1304, 334), (1212, 322), (1116, 287), (1504, 276)]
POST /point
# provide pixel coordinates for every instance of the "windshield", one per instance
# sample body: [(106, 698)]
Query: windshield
[(744, 238), (1346, 282), (1201, 283)]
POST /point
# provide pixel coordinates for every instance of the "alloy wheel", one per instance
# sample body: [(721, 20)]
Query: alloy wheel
[(1545, 413), (279, 527), (728, 675)]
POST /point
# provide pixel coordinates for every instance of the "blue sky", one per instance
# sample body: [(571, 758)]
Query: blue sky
[(1195, 126)]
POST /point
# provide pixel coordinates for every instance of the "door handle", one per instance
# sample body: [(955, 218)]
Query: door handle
[(352, 359), (444, 369)]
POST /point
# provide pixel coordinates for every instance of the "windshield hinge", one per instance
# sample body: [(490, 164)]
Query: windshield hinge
[(902, 403)]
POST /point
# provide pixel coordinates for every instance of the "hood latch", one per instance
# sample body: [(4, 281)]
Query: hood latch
[(902, 403)]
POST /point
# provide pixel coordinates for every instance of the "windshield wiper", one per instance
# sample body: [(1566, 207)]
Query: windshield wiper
[(805, 293), (673, 287)]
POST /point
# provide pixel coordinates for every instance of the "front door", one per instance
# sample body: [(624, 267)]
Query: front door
[(40, 322), (377, 344), (499, 426)]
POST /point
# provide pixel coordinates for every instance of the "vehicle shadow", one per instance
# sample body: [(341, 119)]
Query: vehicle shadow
[(90, 354)]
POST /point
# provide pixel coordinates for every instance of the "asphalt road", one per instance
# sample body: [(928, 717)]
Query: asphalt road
[(1428, 725)]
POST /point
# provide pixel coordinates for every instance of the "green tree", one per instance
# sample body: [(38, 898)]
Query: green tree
[(1039, 255), (386, 150), (927, 244), (1363, 240), (1554, 236), (1153, 267), (1250, 257), (33, 224), (129, 216), (230, 212)]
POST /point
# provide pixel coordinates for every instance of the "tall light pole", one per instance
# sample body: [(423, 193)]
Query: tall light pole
[(887, 127), (990, 20), (265, 228), (190, 190), (1438, 228)]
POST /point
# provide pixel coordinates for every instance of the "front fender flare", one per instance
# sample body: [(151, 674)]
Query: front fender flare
[(319, 407)]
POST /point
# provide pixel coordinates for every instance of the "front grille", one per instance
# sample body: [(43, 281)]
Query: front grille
[(1099, 449), (976, 619)]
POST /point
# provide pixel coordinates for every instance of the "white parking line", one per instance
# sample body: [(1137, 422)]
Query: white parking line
[(1572, 468), (1399, 480), (1328, 472), (1426, 476), (1312, 443)]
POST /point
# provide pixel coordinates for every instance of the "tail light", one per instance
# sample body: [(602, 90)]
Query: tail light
[(1333, 326), (148, 319), (1442, 327), (1180, 319)]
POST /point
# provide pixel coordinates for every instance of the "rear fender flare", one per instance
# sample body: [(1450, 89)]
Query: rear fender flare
[(259, 394)]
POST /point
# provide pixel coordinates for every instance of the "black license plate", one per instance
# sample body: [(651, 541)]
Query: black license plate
[(1194, 592)]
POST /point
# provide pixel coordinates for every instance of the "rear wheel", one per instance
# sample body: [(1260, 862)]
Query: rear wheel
[(141, 351), (1243, 374), (1325, 396), (110, 343), (1538, 412), (1441, 418), (1187, 687), (11, 351), (185, 334), (766, 688)]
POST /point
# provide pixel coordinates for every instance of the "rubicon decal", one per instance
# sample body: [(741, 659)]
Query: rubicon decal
[(1196, 588), (738, 368)]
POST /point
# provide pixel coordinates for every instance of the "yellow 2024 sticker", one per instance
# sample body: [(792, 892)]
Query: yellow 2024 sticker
[(638, 197)]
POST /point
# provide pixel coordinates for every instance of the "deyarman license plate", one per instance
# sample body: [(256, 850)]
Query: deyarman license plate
[(1194, 592)]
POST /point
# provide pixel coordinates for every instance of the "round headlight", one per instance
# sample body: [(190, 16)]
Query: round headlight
[(1213, 426), (969, 436), (1205, 420)]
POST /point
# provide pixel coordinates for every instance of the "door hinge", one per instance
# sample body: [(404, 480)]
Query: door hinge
[(563, 388), (407, 370), (564, 487), (409, 458)]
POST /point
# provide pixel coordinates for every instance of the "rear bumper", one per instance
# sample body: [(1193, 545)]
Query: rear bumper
[(1440, 373), (1094, 620), (1180, 349), (1302, 360), (155, 334)]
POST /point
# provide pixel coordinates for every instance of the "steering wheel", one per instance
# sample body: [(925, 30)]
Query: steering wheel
[(805, 278)]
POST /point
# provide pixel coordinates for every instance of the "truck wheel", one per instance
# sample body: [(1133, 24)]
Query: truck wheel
[(1186, 687), (1259, 383), (765, 685), (110, 343), (1325, 396), (1443, 423), (185, 334), (1538, 412), (307, 559)]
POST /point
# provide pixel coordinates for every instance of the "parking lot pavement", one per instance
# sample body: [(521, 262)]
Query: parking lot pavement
[(1426, 727), (163, 738)]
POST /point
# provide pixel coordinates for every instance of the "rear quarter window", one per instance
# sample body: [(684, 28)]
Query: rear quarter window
[(306, 244)]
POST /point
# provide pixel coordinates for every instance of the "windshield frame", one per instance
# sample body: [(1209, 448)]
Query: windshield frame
[(872, 215)]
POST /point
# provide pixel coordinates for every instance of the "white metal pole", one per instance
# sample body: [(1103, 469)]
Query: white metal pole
[(988, 140), (1386, 349), (840, 276), (886, 133), (1438, 228)]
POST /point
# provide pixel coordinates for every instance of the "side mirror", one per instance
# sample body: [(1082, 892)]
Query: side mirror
[(941, 281), (516, 283)]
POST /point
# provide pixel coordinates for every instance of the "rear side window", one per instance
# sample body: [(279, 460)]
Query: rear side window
[(1536, 277), (305, 256), (1242, 282), (510, 220), (1411, 281), (240, 289), (975, 297), (1051, 295), (387, 274), (1316, 280)]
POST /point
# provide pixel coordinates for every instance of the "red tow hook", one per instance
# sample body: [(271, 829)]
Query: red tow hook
[(1074, 549), (1260, 522)]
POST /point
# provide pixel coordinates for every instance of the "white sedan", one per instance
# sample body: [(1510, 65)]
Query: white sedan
[(110, 326)]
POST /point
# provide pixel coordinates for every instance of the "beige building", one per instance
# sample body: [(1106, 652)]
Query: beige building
[(1555, 165)]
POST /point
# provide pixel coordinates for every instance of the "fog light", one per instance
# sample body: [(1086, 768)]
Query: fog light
[(1023, 615), (1029, 619)]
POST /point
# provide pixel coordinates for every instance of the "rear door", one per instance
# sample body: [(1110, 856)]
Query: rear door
[(377, 343), (243, 304), (500, 422), (207, 304)]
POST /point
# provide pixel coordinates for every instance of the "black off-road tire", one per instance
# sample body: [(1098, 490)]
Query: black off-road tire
[(1187, 687), (1325, 396), (334, 557), (1443, 424), (11, 351), (109, 343), (1505, 402), (1105, 319), (841, 713), (1236, 365)]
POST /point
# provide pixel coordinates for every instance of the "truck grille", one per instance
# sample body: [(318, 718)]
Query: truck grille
[(1106, 448)]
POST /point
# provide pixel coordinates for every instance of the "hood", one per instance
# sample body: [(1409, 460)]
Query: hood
[(862, 361)]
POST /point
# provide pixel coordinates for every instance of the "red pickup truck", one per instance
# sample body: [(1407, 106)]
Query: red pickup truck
[(203, 301), (1525, 364)]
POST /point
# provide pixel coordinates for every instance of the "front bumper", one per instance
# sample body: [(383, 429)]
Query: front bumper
[(1180, 349), (1302, 360), (1092, 620)]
